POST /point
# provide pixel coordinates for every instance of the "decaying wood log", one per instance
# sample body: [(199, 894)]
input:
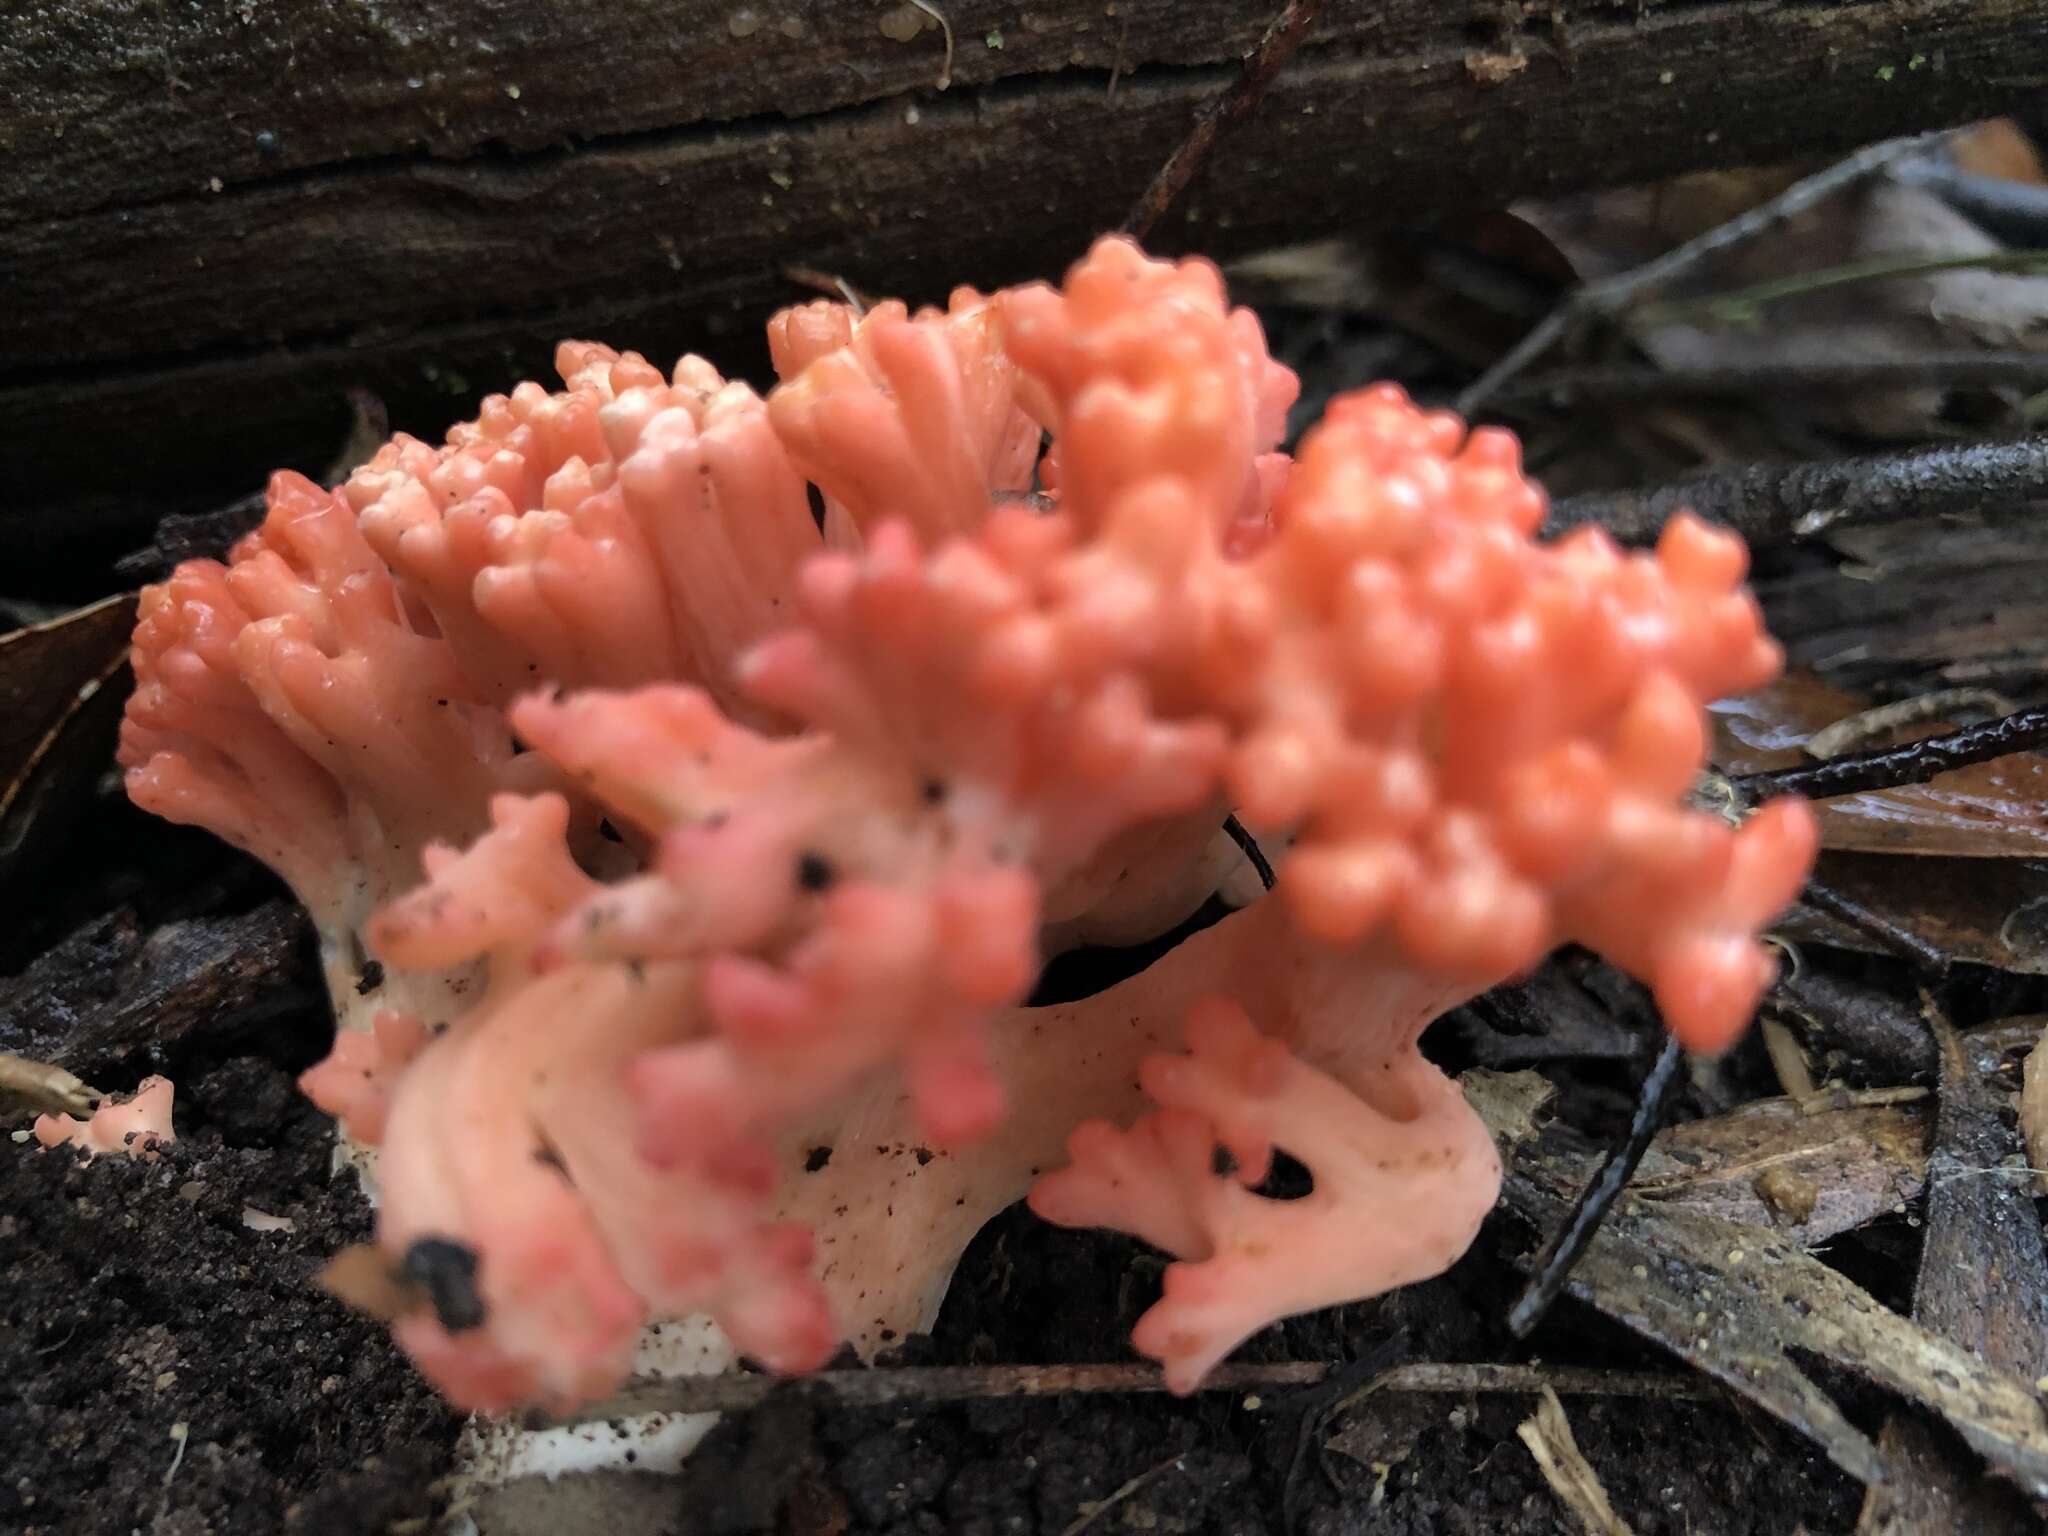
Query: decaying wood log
[(214, 219)]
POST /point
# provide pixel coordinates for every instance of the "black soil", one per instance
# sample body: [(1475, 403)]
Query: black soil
[(166, 1368), (1240, 1462)]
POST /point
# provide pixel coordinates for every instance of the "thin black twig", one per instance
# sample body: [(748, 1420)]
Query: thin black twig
[(1886, 768), (1561, 1254), (1773, 503), (1251, 849), (1287, 33), (1611, 295), (1894, 767)]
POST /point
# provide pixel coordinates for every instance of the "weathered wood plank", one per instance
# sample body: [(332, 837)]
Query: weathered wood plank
[(340, 252), (209, 336), (116, 102)]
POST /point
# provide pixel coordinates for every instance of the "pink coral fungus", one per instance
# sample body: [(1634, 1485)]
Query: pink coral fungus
[(135, 1127), (745, 833)]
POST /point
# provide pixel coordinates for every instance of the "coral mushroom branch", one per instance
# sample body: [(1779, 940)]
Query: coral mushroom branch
[(745, 834)]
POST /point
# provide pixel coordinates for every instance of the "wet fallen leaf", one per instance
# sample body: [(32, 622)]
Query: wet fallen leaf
[(1963, 911), (62, 685), (1997, 809)]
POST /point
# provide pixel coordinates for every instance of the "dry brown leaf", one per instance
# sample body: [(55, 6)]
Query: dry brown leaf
[(1386, 1436), (1860, 1161), (1607, 232), (361, 1277), (1754, 1165)]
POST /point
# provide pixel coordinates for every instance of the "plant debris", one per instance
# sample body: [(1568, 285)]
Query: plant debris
[(1735, 1301), (1548, 1434), (1983, 1283), (111, 994)]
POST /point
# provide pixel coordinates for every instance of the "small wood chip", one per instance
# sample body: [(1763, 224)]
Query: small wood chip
[(363, 1278), (2034, 1111), (1548, 1434), (38, 1088)]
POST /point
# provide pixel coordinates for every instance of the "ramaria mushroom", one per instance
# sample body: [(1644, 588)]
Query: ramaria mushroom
[(856, 774)]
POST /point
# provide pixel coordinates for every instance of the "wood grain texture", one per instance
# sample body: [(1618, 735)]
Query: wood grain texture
[(118, 101), (657, 170)]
